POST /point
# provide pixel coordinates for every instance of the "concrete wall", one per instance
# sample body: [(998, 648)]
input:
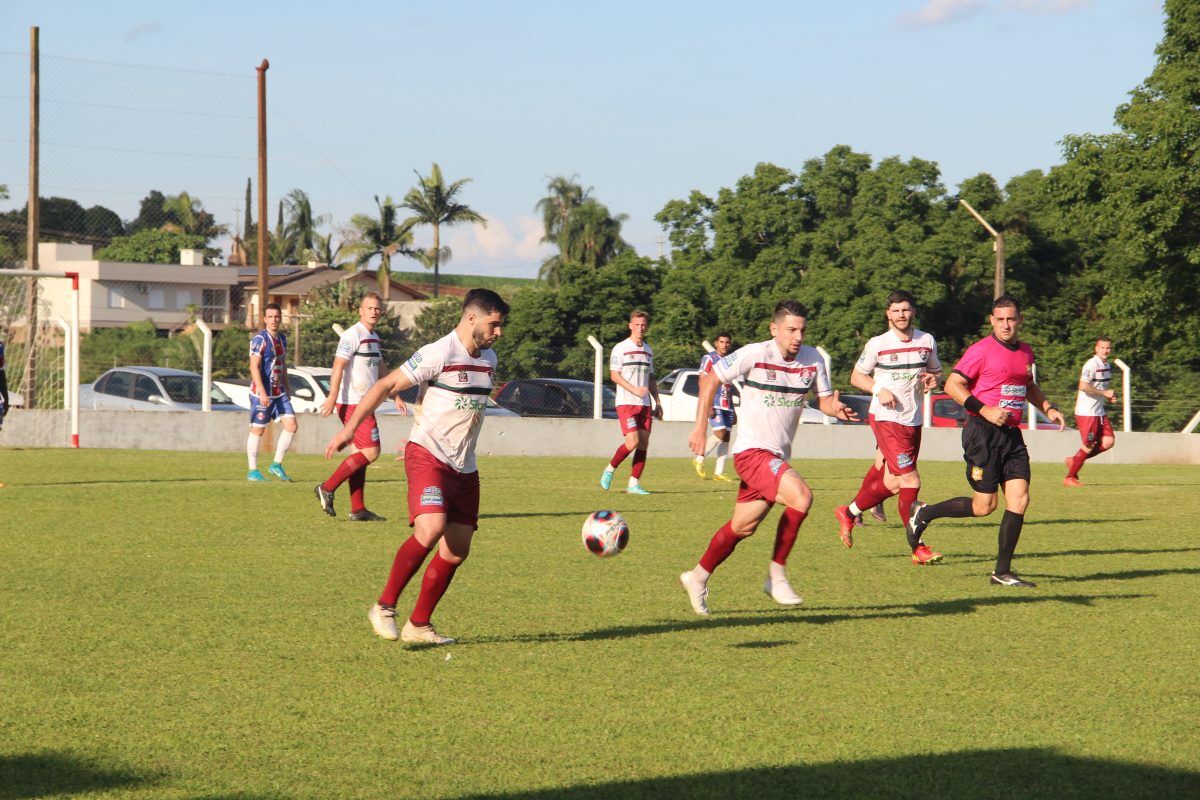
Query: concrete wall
[(226, 431)]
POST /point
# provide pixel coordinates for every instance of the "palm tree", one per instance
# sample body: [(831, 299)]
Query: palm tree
[(186, 214), (369, 237), (436, 204), (326, 253), (592, 236), (301, 226), (564, 196)]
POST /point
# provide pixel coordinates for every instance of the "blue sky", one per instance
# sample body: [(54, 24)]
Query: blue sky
[(644, 101)]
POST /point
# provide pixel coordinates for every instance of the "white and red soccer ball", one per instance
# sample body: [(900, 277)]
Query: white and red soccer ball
[(605, 533)]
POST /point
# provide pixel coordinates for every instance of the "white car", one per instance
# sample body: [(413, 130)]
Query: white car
[(149, 389)]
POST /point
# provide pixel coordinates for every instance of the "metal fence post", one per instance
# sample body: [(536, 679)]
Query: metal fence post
[(1126, 400), (826, 419), (206, 368), (597, 375)]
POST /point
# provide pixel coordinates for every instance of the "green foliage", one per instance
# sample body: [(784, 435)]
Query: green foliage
[(138, 344), (152, 246), (438, 319)]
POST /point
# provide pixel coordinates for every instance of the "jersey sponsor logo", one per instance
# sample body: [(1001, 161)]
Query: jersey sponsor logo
[(1012, 403), (776, 465), (1012, 390), (414, 361), (729, 360), (432, 496), (976, 473), (783, 401), (465, 403), (904, 460)]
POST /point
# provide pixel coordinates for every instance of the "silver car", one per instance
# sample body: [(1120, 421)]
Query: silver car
[(150, 389)]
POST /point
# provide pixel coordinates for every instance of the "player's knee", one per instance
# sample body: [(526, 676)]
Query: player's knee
[(982, 505), (1107, 443), (910, 480), (370, 454), (744, 529)]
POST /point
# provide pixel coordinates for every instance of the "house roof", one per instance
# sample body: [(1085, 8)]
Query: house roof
[(303, 280)]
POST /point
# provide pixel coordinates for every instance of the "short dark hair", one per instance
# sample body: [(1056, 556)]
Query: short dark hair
[(1006, 301), (272, 307), (638, 313), (723, 335), (486, 301), (793, 307), (371, 296), (901, 296)]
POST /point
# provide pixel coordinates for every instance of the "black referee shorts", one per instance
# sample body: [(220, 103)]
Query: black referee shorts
[(993, 455)]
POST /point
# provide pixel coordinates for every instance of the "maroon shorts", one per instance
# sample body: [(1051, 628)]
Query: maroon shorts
[(634, 418), (900, 444), (1093, 429), (760, 471), (366, 435), (437, 488)]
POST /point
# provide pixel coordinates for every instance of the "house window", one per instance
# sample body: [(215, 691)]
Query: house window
[(213, 306), (183, 299), (115, 298), (157, 300)]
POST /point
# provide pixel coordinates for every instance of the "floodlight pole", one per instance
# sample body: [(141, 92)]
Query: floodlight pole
[(263, 260), (997, 245), (33, 222)]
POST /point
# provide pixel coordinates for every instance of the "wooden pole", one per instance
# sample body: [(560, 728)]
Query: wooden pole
[(997, 245), (33, 222), (263, 256)]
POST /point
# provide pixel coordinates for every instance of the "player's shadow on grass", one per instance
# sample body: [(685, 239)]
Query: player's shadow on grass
[(33, 775), (580, 514), (1020, 772), (1118, 551), (991, 522), (1127, 575)]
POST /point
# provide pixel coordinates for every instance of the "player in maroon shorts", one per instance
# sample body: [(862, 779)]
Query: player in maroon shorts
[(455, 375), (897, 368), (776, 377), (631, 367), (992, 381), (1091, 416)]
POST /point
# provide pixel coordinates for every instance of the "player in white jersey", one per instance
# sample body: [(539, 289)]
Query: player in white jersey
[(897, 367), (631, 367), (1091, 414), (723, 416), (455, 376), (776, 376), (356, 365)]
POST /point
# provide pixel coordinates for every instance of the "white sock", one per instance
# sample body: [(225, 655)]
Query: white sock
[(252, 443), (701, 574), (609, 469), (722, 451), (777, 572), (699, 459), (285, 441), (855, 511), (712, 443), (633, 482)]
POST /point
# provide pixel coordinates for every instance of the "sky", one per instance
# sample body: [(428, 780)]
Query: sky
[(643, 100)]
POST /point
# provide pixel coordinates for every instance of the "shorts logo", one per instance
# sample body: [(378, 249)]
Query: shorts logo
[(375, 435), (776, 465), (631, 423), (904, 460), (432, 496), (976, 473)]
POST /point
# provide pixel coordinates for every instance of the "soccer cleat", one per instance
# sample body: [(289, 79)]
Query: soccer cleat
[(383, 620), (698, 465), (1011, 579), (326, 499), (1074, 482), (276, 469), (925, 555), (697, 592), (721, 476), (878, 513), (845, 525), (366, 515), (636, 489), (914, 526), (781, 592), (423, 634), (606, 479), (256, 476)]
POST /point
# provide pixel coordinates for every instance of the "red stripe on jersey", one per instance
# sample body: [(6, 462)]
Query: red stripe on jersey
[(781, 368), (902, 350), (635, 353), (466, 368)]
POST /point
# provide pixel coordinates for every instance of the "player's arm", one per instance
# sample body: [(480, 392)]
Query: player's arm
[(335, 385), (956, 387), (1040, 400), (619, 380), (709, 383), (658, 412), (864, 382), (1092, 391), (256, 375), (395, 381), (831, 406)]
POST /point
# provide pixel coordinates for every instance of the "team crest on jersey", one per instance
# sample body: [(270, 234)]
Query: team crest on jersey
[(976, 473), (432, 496), (462, 377), (924, 353), (770, 374), (776, 465), (893, 357)]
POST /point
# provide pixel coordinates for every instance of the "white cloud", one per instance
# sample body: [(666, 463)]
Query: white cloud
[(497, 245), (145, 29), (1047, 6), (940, 12)]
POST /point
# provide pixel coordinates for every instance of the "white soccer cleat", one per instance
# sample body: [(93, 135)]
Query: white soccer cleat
[(383, 620), (697, 593), (781, 592), (425, 634)]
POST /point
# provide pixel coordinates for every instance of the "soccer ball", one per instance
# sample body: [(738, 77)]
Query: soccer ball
[(605, 533)]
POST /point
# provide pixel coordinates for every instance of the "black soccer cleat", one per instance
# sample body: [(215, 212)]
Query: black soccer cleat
[(1011, 579), (366, 515), (326, 499), (914, 526)]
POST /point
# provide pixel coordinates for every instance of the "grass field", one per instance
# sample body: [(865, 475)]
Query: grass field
[(170, 631)]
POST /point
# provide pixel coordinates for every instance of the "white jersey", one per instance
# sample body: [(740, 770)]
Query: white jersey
[(360, 347), (773, 393), (635, 362), (453, 397), (896, 366), (1098, 373)]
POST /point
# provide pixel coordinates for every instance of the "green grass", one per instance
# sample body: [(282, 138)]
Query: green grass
[(170, 631), (496, 283)]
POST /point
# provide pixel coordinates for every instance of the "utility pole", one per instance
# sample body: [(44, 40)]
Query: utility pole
[(997, 245), (263, 259), (33, 223), (662, 240)]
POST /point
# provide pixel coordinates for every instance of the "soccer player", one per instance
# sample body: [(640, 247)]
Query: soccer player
[(993, 380), (455, 377), (722, 418), (356, 365), (777, 375), (1090, 413), (897, 368), (3, 388), (631, 367), (269, 398)]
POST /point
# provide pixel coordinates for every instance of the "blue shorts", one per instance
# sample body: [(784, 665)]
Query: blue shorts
[(260, 415), (722, 419)]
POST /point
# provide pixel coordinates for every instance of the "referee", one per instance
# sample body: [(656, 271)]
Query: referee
[(993, 380)]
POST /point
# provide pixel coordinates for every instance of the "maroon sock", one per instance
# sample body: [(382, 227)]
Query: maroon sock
[(352, 464), (722, 544), (619, 456), (437, 578), (409, 559), (1076, 463), (907, 498), (639, 464), (357, 481), (785, 534), (872, 492)]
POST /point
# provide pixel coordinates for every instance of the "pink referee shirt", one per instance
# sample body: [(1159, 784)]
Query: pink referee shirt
[(999, 375)]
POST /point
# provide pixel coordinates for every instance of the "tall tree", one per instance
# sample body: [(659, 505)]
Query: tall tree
[(301, 226), (435, 203), (185, 214), (383, 237)]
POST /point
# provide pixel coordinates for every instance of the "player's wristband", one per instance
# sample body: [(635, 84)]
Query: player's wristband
[(973, 404), (1051, 407)]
